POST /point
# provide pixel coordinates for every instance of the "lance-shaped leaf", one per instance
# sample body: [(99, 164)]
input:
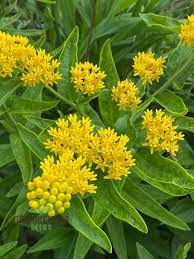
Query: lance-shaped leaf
[(53, 239), (172, 103), (83, 244), (115, 229), (79, 218), (109, 198), (7, 247), (68, 58), (6, 154), (185, 123), (19, 105), (142, 252), (108, 108), (7, 87), (32, 141), (165, 187), (163, 169), (23, 156), (149, 206), (182, 251)]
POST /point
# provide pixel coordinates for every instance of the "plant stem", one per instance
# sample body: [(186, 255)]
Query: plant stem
[(62, 98)]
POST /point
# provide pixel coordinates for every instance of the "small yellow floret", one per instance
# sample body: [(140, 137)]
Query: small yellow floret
[(66, 204)]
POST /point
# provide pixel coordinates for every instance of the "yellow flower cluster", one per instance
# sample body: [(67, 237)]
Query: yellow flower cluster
[(87, 78), (161, 133), (125, 94), (36, 66), (105, 148), (51, 192), (187, 31), (147, 67)]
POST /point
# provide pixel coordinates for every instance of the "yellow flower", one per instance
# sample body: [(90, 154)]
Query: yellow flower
[(52, 190), (147, 67), (103, 149), (37, 66), (125, 94), (187, 31), (111, 154), (87, 78), (161, 133), (71, 133)]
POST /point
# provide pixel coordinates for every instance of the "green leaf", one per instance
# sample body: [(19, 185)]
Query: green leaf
[(53, 239), (108, 108), (6, 21), (39, 122), (7, 247), (185, 154), (169, 188), (68, 58), (149, 206), (142, 252), (184, 209), (79, 218), (172, 103), (16, 253), (83, 244), (7, 87), (87, 111), (109, 198), (19, 105), (163, 169), (10, 215), (6, 154), (160, 23), (116, 232), (177, 60), (182, 251), (32, 142), (185, 123), (23, 157), (118, 6)]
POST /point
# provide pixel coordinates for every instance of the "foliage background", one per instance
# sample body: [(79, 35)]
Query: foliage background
[(131, 26)]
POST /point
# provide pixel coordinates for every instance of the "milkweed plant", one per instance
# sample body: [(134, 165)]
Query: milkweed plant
[(96, 147)]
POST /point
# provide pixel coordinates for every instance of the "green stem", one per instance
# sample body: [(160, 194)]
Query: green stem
[(62, 98)]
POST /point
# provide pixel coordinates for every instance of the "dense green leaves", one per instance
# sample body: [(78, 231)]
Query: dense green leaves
[(148, 205), (163, 169), (109, 198), (79, 218)]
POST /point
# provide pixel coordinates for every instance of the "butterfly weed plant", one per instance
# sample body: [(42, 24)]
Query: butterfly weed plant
[(96, 130)]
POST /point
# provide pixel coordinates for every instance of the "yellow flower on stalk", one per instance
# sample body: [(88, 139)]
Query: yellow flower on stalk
[(111, 154), (87, 78), (52, 191), (161, 133), (187, 31), (36, 66), (125, 94), (147, 67)]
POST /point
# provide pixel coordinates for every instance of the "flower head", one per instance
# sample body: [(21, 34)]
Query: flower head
[(125, 94), (111, 154), (37, 66), (87, 78), (51, 192), (147, 67), (161, 133), (187, 31), (103, 149)]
